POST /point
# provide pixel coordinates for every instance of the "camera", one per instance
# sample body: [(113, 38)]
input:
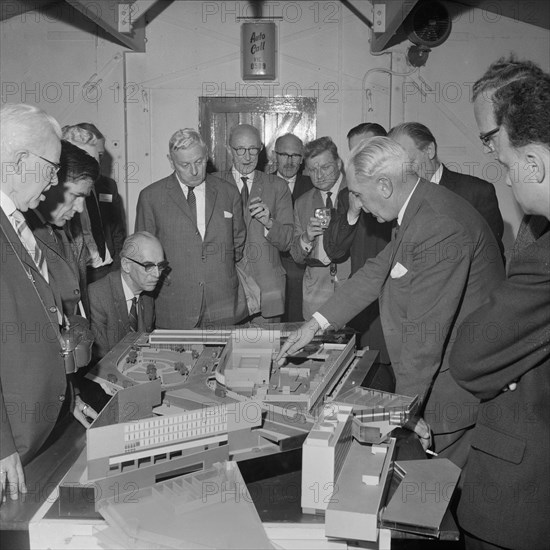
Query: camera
[(323, 215)]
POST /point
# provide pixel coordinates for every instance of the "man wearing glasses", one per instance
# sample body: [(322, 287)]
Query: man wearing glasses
[(199, 221), (122, 302), (33, 374), (289, 154), (267, 210), (499, 74)]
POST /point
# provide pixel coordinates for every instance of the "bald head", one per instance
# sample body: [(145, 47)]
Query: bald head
[(245, 145), (289, 154), (140, 256)]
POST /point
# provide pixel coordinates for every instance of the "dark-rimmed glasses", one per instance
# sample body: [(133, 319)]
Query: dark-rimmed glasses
[(54, 167), (486, 137), (149, 266), (292, 157), (252, 151)]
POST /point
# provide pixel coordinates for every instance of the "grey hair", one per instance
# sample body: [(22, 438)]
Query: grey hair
[(377, 156), (77, 135), (131, 247), (184, 139), (22, 125)]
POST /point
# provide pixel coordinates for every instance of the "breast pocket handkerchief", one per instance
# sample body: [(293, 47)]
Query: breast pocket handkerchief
[(398, 271), (227, 214)]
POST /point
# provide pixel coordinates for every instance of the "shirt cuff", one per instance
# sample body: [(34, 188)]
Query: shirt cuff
[(308, 247), (323, 323), (352, 220)]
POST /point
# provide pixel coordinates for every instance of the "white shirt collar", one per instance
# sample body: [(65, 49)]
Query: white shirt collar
[(237, 177), (334, 190), (184, 187), (8, 206), (291, 181), (436, 178), (404, 207), (128, 294)]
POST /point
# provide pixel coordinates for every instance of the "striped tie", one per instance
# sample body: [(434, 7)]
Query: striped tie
[(29, 242), (133, 315), (244, 192)]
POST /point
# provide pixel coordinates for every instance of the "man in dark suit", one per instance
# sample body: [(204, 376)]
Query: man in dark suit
[(121, 302), (321, 276), (60, 206), (111, 225), (33, 381), (289, 151), (102, 220), (267, 208), (421, 146), (198, 220), (356, 233), (502, 72), (505, 500), (435, 271)]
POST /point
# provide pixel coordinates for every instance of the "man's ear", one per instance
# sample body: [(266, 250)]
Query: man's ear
[(18, 159), (125, 265), (171, 161), (385, 186), (537, 162), (431, 150), (340, 164)]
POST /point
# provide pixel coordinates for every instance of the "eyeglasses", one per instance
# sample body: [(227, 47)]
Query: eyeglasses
[(149, 266), (54, 166), (292, 157), (486, 137), (252, 151)]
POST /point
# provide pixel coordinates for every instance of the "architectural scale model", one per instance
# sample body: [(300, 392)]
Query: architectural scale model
[(217, 409)]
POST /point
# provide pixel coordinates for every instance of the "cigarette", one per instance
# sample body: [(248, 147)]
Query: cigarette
[(428, 452)]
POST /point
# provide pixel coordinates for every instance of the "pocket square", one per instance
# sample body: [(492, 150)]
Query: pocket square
[(227, 214), (398, 271)]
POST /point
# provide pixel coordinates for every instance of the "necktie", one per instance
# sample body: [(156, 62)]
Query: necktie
[(96, 225), (133, 315), (395, 230), (29, 242), (244, 192), (192, 202), (328, 202)]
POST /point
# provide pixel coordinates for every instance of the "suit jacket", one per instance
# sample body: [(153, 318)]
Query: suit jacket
[(435, 271), (261, 259), (294, 271), (112, 215), (506, 495), (318, 284), (109, 313), (203, 285), (481, 195), (33, 381), (361, 241), (62, 266)]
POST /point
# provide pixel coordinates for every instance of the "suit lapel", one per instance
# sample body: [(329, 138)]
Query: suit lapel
[(211, 193), (410, 212), (120, 299), (21, 252)]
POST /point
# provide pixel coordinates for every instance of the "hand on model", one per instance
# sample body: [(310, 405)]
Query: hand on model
[(298, 339)]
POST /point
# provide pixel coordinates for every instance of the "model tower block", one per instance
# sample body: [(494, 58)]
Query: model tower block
[(323, 455)]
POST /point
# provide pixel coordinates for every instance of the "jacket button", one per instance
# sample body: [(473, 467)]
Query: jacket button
[(76, 291), (61, 398), (53, 309), (201, 283)]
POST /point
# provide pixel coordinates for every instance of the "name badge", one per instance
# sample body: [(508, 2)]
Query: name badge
[(105, 197)]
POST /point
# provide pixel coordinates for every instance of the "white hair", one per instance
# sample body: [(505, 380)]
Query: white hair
[(184, 139), (378, 155), (23, 126)]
